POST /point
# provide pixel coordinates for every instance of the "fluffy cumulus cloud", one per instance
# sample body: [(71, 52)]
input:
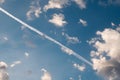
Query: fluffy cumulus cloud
[(46, 75), (81, 3), (2, 1), (58, 20), (34, 11), (72, 40), (109, 2), (83, 22), (3, 71), (15, 63), (79, 67), (106, 56), (58, 4)]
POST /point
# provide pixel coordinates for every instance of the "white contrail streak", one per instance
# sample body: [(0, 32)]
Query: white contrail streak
[(45, 36)]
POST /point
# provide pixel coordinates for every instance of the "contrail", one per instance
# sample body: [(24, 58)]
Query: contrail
[(45, 36)]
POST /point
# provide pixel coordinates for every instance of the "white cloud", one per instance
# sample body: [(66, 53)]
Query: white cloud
[(2, 1), (81, 3), (26, 54), (3, 38), (34, 11), (113, 24), (46, 75), (58, 4), (3, 73), (67, 50), (79, 67), (15, 63), (83, 22), (106, 57), (72, 40), (58, 20)]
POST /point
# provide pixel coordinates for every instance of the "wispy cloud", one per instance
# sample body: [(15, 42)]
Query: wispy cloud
[(3, 71), (83, 22), (109, 2), (58, 20), (58, 4), (26, 54), (46, 75), (15, 63), (106, 57), (34, 11), (80, 3), (3, 38), (79, 67), (45, 36), (2, 1), (72, 40)]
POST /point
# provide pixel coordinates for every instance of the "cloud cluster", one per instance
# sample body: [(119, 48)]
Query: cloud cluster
[(106, 56), (79, 67), (83, 22), (72, 40), (3, 71), (34, 10), (58, 4), (58, 20), (46, 75)]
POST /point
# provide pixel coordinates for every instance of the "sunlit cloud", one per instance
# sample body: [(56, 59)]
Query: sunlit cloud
[(67, 50), (46, 75), (34, 11), (55, 4), (106, 57), (3, 71), (58, 20), (79, 67)]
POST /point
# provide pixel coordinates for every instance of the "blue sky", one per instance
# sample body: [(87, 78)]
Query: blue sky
[(63, 39)]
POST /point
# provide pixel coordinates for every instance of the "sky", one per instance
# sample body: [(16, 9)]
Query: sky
[(59, 39)]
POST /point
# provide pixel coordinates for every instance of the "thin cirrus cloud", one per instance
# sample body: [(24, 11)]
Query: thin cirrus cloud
[(15, 63), (58, 20), (3, 71), (34, 11), (46, 75), (55, 4), (80, 3), (109, 2), (106, 57), (83, 22)]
